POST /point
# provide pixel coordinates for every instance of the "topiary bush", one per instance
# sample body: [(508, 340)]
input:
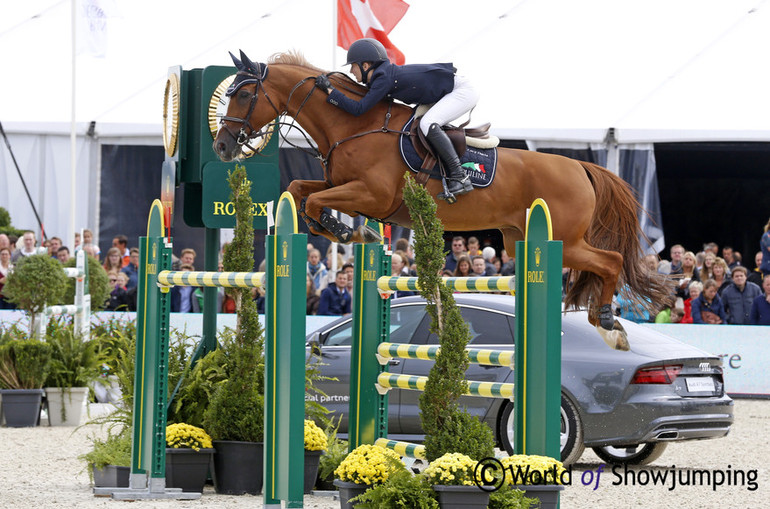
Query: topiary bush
[(448, 427), (35, 282)]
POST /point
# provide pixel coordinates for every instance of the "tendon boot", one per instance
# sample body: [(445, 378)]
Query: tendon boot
[(458, 181)]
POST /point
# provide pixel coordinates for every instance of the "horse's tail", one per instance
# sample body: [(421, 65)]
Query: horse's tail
[(615, 227)]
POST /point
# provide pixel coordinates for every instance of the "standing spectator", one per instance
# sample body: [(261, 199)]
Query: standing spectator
[(488, 253), (711, 247), (755, 276), (132, 269), (121, 242), (317, 270), (63, 254), (187, 257), (677, 252), (720, 275), (708, 307), (707, 271), (183, 298), (312, 298), (5, 268), (478, 266), (463, 268), (728, 255), (764, 243), (27, 248), (403, 245), (687, 274), (651, 262), (760, 308), (631, 309), (118, 300), (509, 264), (113, 260), (398, 268), (473, 247), (335, 299), (4, 241), (458, 249), (54, 243), (693, 291), (88, 240), (77, 241), (738, 297)]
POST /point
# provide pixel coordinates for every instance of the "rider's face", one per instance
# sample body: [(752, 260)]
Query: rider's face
[(356, 71)]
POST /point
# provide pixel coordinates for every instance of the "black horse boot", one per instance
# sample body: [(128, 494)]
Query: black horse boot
[(458, 182)]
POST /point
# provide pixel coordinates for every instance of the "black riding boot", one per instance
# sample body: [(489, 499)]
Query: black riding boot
[(458, 181)]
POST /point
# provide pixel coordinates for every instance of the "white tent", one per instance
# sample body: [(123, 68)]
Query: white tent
[(549, 71)]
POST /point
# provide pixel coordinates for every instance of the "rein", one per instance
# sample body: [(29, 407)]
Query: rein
[(242, 138)]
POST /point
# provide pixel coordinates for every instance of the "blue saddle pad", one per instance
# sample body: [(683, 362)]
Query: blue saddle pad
[(479, 164)]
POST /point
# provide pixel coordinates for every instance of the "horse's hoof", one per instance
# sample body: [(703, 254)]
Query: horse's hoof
[(368, 234), (616, 338)]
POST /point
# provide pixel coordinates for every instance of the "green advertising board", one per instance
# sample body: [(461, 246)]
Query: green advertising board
[(216, 209)]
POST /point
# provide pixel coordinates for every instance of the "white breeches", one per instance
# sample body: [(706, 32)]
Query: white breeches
[(459, 101)]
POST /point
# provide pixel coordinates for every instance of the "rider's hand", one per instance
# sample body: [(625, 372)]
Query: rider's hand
[(323, 83)]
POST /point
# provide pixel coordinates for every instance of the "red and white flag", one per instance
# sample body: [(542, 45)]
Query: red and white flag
[(370, 18)]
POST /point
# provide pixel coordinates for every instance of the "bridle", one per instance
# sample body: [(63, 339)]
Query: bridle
[(247, 132)]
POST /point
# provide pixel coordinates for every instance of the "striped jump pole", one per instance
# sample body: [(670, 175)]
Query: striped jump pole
[(387, 381), (169, 278), (405, 449), (386, 351), (389, 284)]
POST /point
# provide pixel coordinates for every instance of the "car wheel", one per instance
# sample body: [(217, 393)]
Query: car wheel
[(571, 437), (640, 454)]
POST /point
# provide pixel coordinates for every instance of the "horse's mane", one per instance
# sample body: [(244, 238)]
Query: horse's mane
[(296, 58)]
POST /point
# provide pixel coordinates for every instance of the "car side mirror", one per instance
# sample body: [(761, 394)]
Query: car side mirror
[(315, 344)]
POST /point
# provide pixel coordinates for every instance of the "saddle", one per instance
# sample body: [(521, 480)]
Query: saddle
[(461, 137)]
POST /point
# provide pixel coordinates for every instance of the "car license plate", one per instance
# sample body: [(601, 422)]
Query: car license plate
[(700, 384)]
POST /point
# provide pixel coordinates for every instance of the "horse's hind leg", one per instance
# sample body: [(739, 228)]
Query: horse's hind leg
[(607, 266)]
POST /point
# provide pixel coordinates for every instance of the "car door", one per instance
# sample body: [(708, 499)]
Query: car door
[(489, 329), (335, 362)]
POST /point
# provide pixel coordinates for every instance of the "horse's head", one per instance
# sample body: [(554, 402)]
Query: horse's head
[(248, 111)]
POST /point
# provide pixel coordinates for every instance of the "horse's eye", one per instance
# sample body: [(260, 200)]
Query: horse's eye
[(244, 95)]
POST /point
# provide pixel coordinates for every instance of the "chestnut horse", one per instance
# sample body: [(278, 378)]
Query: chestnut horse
[(594, 213)]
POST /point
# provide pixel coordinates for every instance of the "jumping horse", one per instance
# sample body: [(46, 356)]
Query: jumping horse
[(594, 212)]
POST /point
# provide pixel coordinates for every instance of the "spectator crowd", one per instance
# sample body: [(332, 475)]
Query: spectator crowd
[(706, 288)]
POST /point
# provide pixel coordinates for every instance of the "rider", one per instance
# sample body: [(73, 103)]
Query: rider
[(453, 96)]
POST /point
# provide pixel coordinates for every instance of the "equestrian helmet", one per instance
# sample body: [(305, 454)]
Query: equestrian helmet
[(366, 50)]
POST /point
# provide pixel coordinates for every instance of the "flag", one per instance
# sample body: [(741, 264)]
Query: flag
[(370, 18), (92, 26)]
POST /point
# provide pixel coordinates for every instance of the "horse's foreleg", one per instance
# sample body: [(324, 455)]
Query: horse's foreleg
[(607, 265), (346, 198), (300, 190)]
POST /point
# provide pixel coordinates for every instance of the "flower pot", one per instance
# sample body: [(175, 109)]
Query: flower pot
[(547, 494), (461, 497), (187, 468), (111, 476), (311, 469), (65, 405), (349, 490), (238, 467), (21, 407)]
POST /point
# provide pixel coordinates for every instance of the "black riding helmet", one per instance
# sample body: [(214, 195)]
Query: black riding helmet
[(366, 50)]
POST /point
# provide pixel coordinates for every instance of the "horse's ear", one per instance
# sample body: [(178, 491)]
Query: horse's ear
[(249, 65), (238, 63)]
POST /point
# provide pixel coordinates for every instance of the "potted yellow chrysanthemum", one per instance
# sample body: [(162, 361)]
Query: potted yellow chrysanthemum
[(539, 477), (365, 466), (315, 445), (452, 477), (188, 456)]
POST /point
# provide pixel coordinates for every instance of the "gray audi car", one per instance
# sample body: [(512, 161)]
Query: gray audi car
[(626, 406)]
